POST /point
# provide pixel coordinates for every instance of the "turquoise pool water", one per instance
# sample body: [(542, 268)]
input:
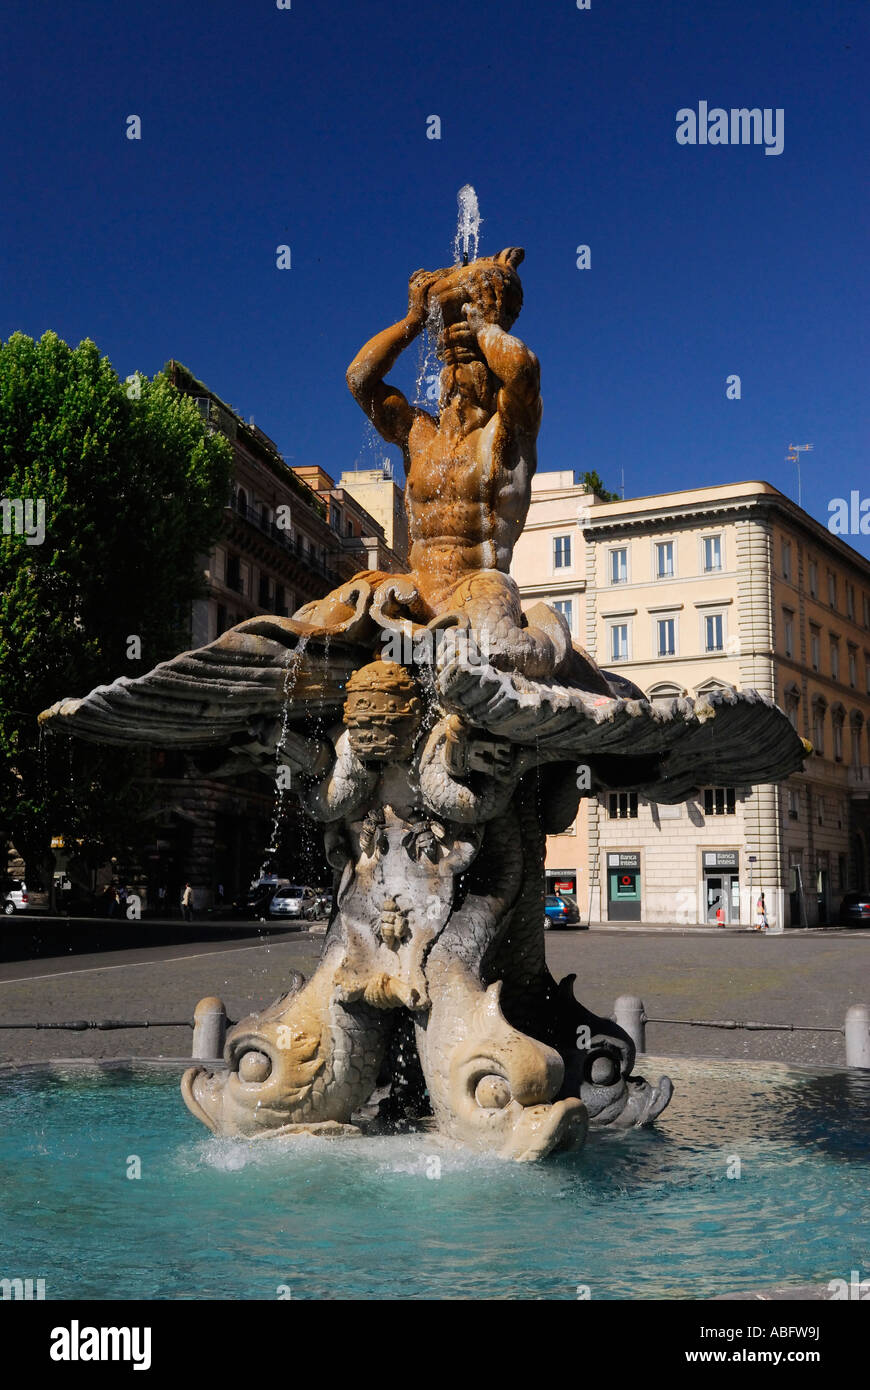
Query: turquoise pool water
[(643, 1214)]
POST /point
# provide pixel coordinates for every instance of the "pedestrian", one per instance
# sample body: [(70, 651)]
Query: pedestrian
[(114, 906), (720, 915), (761, 922), (162, 905), (220, 893), (187, 903)]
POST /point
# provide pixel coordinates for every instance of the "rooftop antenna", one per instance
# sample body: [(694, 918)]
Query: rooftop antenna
[(794, 456), (623, 482)]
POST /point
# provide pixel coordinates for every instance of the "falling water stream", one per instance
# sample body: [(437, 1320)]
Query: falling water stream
[(465, 243)]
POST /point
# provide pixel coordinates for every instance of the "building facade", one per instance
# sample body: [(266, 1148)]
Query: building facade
[(691, 592), (290, 536)]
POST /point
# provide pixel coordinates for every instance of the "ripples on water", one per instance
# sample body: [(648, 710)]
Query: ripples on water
[(647, 1213)]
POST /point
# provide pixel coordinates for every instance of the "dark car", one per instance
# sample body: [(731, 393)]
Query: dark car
[(855, 910), (256, 902), (561, 910)]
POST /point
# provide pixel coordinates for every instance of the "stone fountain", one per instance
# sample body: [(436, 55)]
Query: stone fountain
[(438, 732)]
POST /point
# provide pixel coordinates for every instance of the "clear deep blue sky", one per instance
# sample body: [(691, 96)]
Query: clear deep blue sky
[(308, 127)]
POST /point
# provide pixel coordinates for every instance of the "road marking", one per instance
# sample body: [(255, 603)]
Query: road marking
[(129, 965)]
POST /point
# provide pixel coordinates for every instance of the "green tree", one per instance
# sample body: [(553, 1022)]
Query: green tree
[(593, 483), (134, 485)]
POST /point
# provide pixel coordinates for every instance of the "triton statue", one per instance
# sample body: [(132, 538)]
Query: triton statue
[(438, 780)]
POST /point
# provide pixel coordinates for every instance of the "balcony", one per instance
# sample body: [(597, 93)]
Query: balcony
[(286, 541), (859, 781)]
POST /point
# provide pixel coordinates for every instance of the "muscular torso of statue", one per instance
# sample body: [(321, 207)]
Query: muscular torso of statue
[(466, 497)]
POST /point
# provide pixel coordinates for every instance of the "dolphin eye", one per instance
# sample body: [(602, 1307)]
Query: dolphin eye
[(254, 1066), (602, 1067), (492, 1093)]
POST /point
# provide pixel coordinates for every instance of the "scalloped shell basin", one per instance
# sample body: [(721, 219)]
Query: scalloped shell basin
[(639, 1214)]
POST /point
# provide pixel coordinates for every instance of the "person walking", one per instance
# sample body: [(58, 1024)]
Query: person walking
[(761, 923), (187, 903)]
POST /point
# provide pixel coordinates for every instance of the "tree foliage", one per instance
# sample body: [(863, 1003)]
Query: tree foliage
[(134, 485), (593, 483)]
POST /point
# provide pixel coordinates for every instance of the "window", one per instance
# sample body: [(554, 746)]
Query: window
[(856, 740), (664, 694), (619, 642), (815, 647), (234, 580), (814, 579), (263, 593), (832, 589), (562, 552), (837, 725), (335, 519), (819, 709), (664, 560), (565, 606), (786, 559), (788, 631), (867, 674), (794, 803), (792, 705), (348, 528), (667, 636), (619, 566), (719, 801), (850, 601), (853, 666), (280, 601), (222, 623), (622, 806), (714, 632), (865, 609), (712, 553), (242, 501), (820, 810), (835, 658)]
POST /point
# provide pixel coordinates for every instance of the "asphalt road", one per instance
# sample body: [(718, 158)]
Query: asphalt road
[(797, 978)]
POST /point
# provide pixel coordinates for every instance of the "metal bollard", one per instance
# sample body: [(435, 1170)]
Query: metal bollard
[(858, 1036), (209, 1029), (629, 1014)]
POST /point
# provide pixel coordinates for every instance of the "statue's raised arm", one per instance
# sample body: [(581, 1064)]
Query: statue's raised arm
[(386, 406)]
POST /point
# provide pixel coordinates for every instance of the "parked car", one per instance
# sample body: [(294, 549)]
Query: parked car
[(255, 903), (561, 910), (855, 910), (14, 896), (293, 900)]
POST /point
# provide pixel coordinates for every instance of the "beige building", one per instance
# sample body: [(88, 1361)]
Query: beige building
[(694, 591), (375, 490)]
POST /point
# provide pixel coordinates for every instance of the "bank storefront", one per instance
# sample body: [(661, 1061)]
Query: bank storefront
[(624, 892), (721, 897)]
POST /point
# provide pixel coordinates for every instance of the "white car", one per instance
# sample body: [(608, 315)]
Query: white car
[(14, 897), (294, 901)]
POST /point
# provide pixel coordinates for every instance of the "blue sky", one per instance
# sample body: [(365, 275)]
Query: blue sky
[(308, 127)]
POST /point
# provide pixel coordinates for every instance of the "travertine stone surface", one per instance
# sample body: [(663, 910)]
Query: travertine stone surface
[(434, 730)]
